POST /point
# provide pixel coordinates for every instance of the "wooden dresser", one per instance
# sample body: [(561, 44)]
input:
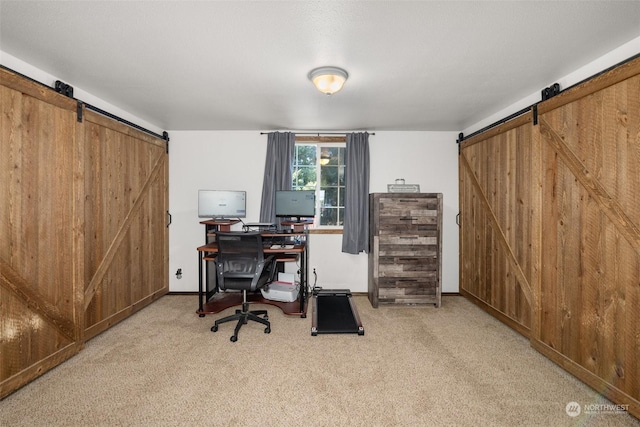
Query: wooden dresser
[(405, 237)]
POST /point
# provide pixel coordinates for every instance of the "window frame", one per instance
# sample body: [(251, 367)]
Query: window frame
[(320, 142)]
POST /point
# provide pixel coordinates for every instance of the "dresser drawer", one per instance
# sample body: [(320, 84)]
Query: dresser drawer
[(408, 291), (419, 251), (403, 267), (408, 211)]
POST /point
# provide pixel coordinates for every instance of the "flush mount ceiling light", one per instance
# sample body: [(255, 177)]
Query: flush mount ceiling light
[(328, 80)]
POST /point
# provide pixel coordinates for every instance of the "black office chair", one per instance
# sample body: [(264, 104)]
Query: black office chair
[(241, 265)]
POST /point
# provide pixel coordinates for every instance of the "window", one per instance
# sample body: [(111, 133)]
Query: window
[(320, 167)]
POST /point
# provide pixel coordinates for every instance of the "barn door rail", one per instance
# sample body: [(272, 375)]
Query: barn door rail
[(67, 90), (546, 93)]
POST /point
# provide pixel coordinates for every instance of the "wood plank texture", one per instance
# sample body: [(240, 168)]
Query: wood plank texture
[(125, 197), (497, 204), (560, 200), (405, 257), (591, 229), (83, 226), (38, 268)]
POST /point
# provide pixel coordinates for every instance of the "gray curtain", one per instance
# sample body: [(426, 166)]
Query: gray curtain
[(277, 171), (355, 232)]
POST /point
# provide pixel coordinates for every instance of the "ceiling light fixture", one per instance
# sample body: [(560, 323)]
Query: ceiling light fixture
[(328, 80)]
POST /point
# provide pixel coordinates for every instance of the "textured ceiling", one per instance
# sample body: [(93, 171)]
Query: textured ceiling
[(242, 65)]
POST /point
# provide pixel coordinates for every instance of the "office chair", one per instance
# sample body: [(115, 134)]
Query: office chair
[(241, 265)]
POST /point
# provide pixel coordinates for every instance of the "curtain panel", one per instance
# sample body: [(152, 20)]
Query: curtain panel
[(355, 232), (277, 171)]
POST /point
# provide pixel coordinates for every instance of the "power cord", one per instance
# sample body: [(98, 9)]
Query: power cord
[(315, 288)]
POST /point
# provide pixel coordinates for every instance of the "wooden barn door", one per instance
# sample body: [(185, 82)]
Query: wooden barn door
[(126, 205), (498, 196), (590, 287), (40, 231), (83, 226)]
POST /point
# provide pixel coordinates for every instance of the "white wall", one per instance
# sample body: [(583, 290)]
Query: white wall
[(234, 160)]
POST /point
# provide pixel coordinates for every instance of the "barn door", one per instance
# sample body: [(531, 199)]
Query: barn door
[(40, 276), (83, 226), (497, 171), (590, 287), (126, 205)]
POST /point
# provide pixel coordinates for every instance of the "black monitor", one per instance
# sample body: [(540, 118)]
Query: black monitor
[(296, 203), (222, 204)]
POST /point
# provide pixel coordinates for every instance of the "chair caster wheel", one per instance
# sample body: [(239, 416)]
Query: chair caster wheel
[(267, 330), (214, 328), (266, 317), (233, 338)]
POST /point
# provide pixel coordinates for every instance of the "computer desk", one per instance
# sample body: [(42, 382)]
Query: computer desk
[(211, 301)]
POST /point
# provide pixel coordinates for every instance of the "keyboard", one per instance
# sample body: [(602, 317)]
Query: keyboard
[(281, 246)]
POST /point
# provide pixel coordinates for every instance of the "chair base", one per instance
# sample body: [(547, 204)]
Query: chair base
[(243, 316)]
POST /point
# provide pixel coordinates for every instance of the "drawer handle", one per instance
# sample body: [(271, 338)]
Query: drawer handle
[(407, 218)]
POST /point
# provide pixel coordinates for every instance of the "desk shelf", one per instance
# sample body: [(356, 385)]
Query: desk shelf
[(223, 300)]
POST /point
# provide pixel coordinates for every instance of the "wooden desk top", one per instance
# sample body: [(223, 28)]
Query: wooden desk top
[(213, 247)]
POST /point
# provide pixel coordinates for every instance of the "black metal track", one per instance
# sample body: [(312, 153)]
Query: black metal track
[(498, 123), (126, 122), (164, 136), (316, 133), (524, 110)]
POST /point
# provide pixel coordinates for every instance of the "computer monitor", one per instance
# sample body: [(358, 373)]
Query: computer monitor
[(296, 203), (221, 204)]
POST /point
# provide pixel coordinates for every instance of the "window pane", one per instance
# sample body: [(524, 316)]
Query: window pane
[(306, 154), (330, 197), (328, 216), (329, 176), (304, 177), (334, 152)]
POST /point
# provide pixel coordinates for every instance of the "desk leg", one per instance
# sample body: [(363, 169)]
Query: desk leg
[(200, 281), (303, 282)]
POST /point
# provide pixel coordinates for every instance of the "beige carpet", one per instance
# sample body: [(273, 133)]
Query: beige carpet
[(415, 366)]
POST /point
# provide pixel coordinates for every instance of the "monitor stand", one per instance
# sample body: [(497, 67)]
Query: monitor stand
[(298, 225)]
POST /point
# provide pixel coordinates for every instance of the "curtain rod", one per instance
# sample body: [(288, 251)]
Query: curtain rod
[(318, 133)]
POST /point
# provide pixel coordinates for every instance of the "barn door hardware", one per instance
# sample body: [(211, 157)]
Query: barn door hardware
[(63, 88), (165, 136), (550, 92), (79, 109)]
